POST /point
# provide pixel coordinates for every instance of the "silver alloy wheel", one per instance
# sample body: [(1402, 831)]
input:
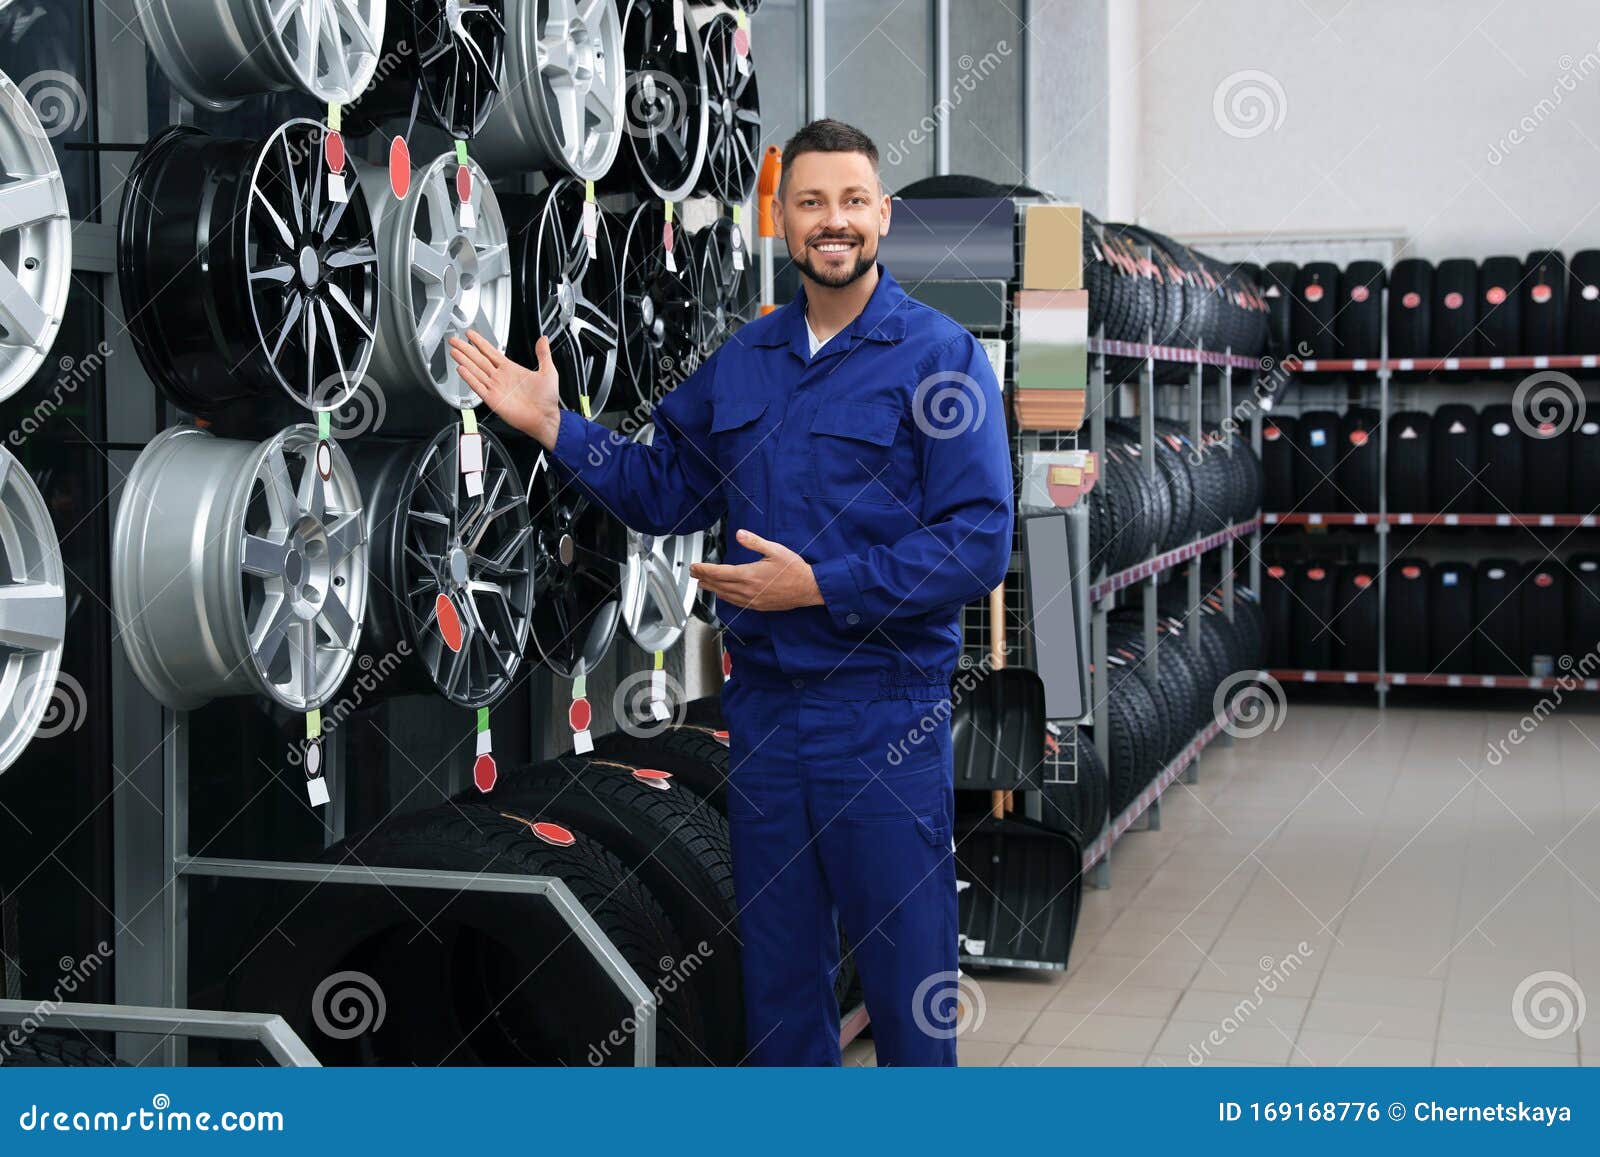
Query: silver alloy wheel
[(217, 52), (33, 608), (658, 592), (563, 101), (237, 568), (437, 278), (35, 241)]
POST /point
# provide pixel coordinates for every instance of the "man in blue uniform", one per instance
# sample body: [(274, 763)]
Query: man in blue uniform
[(854, 442)]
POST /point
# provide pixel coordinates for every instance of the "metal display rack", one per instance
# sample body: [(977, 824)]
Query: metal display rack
[(1383, 368), (1191, 404)]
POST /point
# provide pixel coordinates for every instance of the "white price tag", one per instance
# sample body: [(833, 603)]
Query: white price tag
[(582, 742), (485, 746), (591, 228), (317, 791), (337, 192), (679, 42), (474, 483), (658, 696), (469, 216), (471, 453)]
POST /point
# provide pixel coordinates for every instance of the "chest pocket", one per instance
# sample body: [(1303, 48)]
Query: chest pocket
[(853, 455), (737, 434)]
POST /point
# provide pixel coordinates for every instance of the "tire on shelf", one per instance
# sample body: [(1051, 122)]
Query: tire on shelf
[(240, 570), (1502, 453), (1583, 465), (1316, 302), (1317, 453), (1315, 612), (1407, 613), (1454, 318), (1358, 473), (1450, 618), (1411, 310), (1277, 289), (1410, 458), (564, 111), (1544, 285), (1278, 433), (692, 754), (1499, 307), (1583, 606), (220, 51), (1357, 599), (1454, 460), (1497, 641), (1359, 323), (676, 843), (454, 571), (501, 980), (442, 57), (1546, 646), (262, 286), (1277, 604), (1547, 459), (1583, 304), (54, 1050)]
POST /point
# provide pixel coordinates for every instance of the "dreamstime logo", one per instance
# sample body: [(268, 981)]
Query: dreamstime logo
[(947, 404), (1572, 72), (358, 689), (347, 1004), (55, 100), (641, 711), (1547, 404), (74, 974), (1274, 974), (66, 708), (1249, 103), (1547, 1004), (1573, 674), (74, 373), (947, 1004), (655, 104), (674, 973), (1251, 703), (973, 71), (353, 409)]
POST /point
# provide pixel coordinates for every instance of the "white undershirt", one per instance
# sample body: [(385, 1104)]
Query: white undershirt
[(816, 342)]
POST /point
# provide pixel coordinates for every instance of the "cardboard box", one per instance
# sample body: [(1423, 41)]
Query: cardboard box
[(1052, 247)]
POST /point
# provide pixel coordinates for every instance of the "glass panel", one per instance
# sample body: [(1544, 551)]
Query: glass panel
[(985, 91), (778, 46), (879, 66), (43, 49)]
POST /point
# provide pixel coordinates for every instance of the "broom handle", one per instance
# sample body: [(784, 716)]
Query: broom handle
[(999, 801)]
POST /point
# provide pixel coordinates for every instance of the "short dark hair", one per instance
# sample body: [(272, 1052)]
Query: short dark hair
[(826, 136)]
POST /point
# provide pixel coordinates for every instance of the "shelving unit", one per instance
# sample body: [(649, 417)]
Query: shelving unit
[(1408, 679), (1426, 520), (1103, 591)]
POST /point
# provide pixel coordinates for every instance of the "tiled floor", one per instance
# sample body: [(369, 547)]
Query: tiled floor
[(1352, 889)]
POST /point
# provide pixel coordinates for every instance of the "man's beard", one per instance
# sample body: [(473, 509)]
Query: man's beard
[(836, 280)]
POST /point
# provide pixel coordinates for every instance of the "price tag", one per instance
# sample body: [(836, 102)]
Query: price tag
[(741, 44), (583, 405), (337, 193), (579, 716), (679, 40), (591, 220), (467, 215), (484, 772), (333, 153), (658, 690), (317, 791), (469, 453), (316, 784), (324, 454), (666, 238), (738, 239)]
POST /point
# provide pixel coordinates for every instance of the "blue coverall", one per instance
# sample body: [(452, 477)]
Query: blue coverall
[(883, 461)]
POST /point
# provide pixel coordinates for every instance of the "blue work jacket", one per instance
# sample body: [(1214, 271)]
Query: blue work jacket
[(883, 461)]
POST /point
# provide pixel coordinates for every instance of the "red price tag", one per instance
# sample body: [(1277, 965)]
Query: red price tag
[(399, 167)]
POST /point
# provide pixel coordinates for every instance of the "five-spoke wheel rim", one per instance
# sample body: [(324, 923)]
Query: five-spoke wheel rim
[(658, 592), (442, 273), (33, 608)]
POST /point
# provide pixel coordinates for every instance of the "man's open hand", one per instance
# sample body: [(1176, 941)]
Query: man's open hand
[(778, 581), (529, 399)]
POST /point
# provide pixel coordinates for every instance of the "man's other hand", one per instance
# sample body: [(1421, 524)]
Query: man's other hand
[(529, 399), (778, 581)]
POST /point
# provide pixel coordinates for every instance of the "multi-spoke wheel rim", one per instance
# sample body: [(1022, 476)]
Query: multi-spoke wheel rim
[(439, 277), (563, 108), (579, 549), (216, 52), (567, 296), (33, 607), (666, 118), (35, 241), (450, 54), (724, 288), (238, 568), (660, 311), (658, 592), (733, 105), (437, 542), (259, 283)]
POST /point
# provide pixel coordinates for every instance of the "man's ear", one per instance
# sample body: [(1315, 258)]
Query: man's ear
[(777, 217), (884, 212)]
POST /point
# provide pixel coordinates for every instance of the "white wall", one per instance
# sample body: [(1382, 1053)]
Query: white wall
[(1391, 113)]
